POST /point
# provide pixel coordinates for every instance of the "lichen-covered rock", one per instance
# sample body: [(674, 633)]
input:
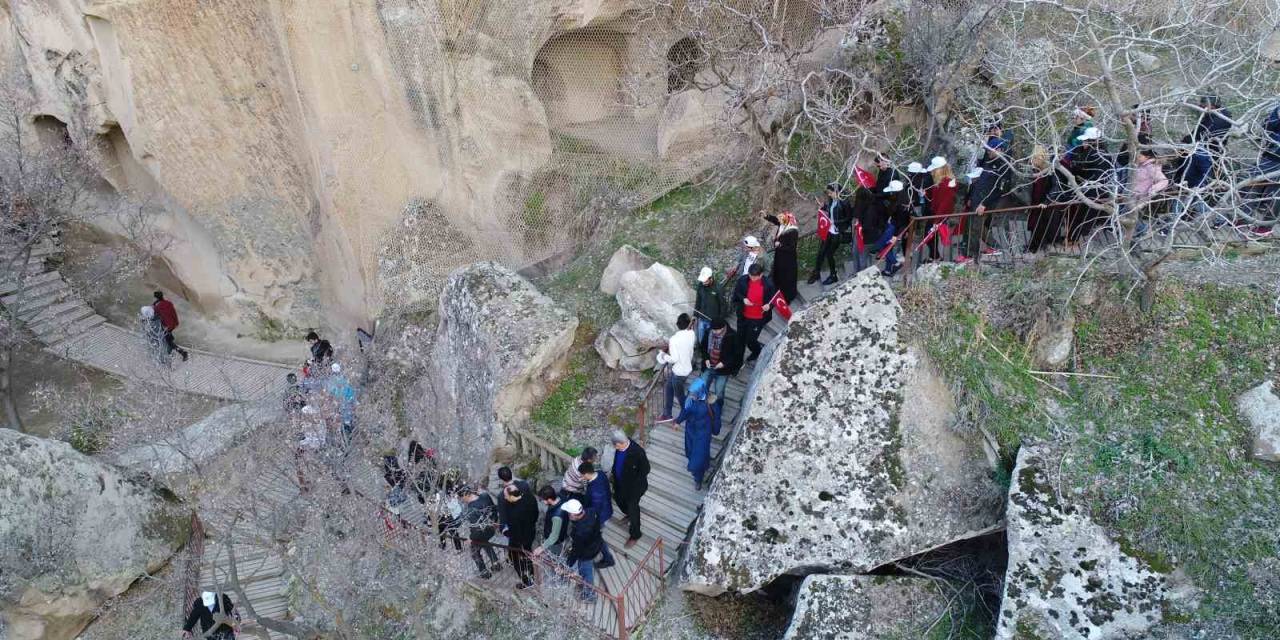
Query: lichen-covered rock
[(1261, 408), (1066, 578), (1052, 340), (625, 260), (201, 441), (74, 532), (830, 467), (840, 607), (499, 344), (651, 300)]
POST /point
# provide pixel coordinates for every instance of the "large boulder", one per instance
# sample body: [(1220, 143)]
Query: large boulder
[(651, 300), (625, 260), (1066, 578), (829, 468), (1052, 340), (74, 533), (840, 607), (183, 451), (1261, 408), (499, 345)]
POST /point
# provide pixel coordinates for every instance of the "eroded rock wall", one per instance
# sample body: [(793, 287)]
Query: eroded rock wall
[(319, 160)]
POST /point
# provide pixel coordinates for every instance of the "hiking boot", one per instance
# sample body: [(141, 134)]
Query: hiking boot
[(832, 279), (485, 575), (605, 564)]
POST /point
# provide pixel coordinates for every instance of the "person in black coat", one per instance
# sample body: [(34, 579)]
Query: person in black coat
[(1093, 172), (630, 481), (841, 217), (521, 529), (754, 297), (215, 614), (785, 268), (479, 514), (722, 351), (586, 542)]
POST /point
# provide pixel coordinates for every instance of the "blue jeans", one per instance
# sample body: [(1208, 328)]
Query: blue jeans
[(587, 571), (674, 388), (891, 258), (715, 382), (701, 327)]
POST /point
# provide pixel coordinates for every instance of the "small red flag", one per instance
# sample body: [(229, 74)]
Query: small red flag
[(864, 177), (888, 245), (779, 302), (862, 245), (944, 234), (824, 225)]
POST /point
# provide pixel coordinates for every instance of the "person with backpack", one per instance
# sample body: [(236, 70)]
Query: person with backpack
[(479, 514), (696, 416), (168, 315)]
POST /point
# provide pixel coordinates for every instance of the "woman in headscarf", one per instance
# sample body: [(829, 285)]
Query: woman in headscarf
[(696, 416), (784, 268), (153, 331)]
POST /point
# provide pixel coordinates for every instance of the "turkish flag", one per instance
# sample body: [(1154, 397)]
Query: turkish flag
[(864, 177), (944, 234), (824, 225), (857, 231), (779, 302), (888, 246)]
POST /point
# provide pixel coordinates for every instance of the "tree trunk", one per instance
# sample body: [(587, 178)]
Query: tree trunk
[(12, 419)]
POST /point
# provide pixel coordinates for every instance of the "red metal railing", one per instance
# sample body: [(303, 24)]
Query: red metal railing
[(650, 403)]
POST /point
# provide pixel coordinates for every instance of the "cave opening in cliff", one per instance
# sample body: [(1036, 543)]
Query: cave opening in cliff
[(684, 60), (120, 167), (51, 133), (579, 78)]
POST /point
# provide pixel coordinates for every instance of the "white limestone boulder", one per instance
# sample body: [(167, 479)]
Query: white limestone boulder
[(625, 260), (830, 469), (1261, 408), (74, 532), (651, 300), (498, 347), (843, 607), (1067, 578)]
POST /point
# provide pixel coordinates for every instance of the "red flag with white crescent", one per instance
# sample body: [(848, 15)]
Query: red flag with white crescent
[(944, 234), (862, 244), (864, 177), (779, 302), (824, 225), (887, 247)]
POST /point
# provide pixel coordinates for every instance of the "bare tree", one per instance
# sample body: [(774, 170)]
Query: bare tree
[(48, 184)]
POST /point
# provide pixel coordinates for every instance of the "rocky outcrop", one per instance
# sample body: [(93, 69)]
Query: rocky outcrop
[(625, 260), (201, 441), (839, 607), (651, 300), (498, 346), (73, 533), (830, 468), (1067, 578), (1052, 340), (1261, 408)]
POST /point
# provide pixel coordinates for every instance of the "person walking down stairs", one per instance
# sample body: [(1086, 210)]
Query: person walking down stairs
[(696, 418), (630, 481), (168, 315)]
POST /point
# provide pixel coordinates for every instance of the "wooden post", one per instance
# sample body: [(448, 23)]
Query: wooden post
[(621, 604)]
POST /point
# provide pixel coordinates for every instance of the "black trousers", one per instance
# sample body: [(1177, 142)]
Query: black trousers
[(476, 546), (171, 345), (518, 554), (750, 330), (827, 251), (629, 504)]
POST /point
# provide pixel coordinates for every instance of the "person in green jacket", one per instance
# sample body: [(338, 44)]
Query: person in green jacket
[(709, 304)]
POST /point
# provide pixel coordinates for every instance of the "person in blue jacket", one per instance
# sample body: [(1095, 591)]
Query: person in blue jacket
[(1193, 174), (696, 418), (599, 501)]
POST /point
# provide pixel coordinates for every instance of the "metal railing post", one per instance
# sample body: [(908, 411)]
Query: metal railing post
[(621, 604)]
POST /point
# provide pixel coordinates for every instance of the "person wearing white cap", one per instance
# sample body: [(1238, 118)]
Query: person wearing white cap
[(586, 543), (154, 333), (1081, 120), (337, 386), (919, 181), (896, 210), (1093, 170), (749, 252), (216, 616), (708, 304)]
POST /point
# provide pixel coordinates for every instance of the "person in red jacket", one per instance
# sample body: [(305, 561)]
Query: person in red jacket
[(169, 320)]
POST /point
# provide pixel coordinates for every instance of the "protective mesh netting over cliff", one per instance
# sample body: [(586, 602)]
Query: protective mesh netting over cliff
[(614, 132)]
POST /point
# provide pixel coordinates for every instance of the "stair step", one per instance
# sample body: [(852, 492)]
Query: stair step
[(59, 340), (48, 326), (53, 311), (41, 250), (32, 306), (32, 293), (9, 285)]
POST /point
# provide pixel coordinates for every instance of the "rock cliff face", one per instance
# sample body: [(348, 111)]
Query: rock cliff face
[(845, 459), (318, 160), (498, 345), (835, 607), (73, 533)]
